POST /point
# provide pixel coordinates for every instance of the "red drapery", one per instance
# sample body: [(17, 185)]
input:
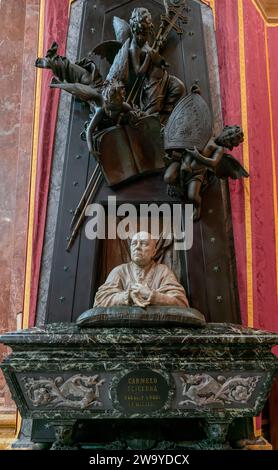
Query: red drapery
[(248, 63), (54, 29)]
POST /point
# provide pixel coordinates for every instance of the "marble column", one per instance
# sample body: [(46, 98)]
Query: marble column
[(18, 41)]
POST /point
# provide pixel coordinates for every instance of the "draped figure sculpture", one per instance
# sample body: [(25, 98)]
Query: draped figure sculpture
[(142, 282)]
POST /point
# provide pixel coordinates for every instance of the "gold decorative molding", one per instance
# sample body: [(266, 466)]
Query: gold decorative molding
[(7, 430), (269, 9), (259, 443)]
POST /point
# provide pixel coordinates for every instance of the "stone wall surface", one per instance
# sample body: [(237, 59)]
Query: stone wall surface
[(18, 50)]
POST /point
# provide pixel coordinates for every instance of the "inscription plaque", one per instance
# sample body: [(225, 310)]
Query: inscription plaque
[(142, 391)]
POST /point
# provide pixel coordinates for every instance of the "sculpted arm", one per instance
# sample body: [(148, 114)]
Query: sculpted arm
[(170, 291), (94, 123), (112, 292), (158, 298), (216, 151), (139, 69)]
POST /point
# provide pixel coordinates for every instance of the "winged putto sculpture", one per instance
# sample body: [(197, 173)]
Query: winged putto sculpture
[(194, 155)]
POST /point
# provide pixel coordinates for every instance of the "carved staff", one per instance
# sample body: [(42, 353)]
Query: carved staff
[(81, 218), (168, 23), (85, 195)]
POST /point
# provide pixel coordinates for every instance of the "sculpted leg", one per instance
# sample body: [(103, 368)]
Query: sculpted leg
[(194, 197), (66, 71), (63, 436), (172, 173), (175, 91)]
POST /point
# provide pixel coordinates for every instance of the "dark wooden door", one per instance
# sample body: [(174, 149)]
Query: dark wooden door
[(209, 275)]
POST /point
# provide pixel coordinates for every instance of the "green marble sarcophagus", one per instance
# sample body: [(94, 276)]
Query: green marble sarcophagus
[(64, 373)]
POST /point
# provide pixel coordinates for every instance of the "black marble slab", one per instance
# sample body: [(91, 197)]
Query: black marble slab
[(218, 373)]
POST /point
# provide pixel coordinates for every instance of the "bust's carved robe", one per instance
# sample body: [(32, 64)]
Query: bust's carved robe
[(166, 290)]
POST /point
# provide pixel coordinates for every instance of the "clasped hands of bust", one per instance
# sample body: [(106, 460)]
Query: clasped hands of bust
[(156, 58), (139, 295)]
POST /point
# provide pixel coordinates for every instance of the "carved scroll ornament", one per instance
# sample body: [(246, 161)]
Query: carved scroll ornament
[(78, 391), (203, 389)]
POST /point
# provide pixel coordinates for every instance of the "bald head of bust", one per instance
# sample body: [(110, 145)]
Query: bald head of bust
[(142, 249)]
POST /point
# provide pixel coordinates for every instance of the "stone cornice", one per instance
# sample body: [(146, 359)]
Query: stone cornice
[(269, 9)]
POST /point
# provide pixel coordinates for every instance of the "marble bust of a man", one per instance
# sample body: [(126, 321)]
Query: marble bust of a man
[(142, 282)]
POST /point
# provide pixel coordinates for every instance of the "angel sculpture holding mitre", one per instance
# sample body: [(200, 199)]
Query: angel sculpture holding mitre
[(196, 156)]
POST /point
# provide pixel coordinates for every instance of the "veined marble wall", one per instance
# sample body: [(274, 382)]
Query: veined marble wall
[(18, 50)]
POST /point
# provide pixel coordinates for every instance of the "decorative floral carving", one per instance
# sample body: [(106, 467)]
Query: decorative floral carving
[(203, 389), (78, 391)]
